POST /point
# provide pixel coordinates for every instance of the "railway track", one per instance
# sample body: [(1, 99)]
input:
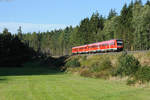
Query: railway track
[(112, 53)]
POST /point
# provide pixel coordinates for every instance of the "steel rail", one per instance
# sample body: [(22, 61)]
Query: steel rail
[(110, 53)]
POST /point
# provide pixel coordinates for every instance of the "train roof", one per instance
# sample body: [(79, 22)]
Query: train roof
[(103, 42), (79, 46), (97, 43)]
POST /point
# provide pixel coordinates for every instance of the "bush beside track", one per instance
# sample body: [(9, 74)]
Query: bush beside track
[(134, 65)]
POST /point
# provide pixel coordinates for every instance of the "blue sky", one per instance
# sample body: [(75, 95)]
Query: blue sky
[(43, 15)]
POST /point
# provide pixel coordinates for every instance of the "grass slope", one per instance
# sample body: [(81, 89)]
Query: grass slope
[(37, 83)]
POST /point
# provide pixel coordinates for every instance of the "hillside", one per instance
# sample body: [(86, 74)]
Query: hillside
[(134, 65)]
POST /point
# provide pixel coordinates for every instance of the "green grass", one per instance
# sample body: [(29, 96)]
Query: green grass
[(41, 83)]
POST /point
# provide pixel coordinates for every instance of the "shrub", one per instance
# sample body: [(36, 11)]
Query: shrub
[(85, 72), (143, 74), (131, 81), (96, 66), (127, 65), (101, 65), (74, 62), (83, 58), (106, 64), (102, 74), (89, 61)]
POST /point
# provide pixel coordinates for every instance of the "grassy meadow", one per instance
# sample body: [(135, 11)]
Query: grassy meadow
[(34, 82)]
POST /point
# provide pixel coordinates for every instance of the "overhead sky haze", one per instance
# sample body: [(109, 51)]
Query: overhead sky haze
[(43, 15)]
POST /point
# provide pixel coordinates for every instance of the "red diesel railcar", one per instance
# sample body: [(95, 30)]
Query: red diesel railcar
[(105, 46)]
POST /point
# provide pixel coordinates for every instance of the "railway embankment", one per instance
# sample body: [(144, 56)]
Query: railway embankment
[(133, 65)]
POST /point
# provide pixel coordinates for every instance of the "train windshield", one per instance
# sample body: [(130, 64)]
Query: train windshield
[(119, 42)]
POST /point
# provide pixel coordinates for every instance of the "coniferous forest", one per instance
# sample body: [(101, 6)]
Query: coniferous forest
[(12, 51), (132, 25)]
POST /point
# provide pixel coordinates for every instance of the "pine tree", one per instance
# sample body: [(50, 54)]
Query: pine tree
[(5, 32), (20, 33), (137, 34), (139, 2), (148, 2), (94, 24), (112, 14), (83, 33)]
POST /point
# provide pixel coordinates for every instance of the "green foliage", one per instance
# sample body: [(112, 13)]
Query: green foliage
[(131, 81), (85, 72), (94, 66), (143, 74), (89, 62), (148, 3), (127, 65), (6, 32), (112, 14), (101, 65), (141, 17), (20, 33), (12, 51), (74, 62)]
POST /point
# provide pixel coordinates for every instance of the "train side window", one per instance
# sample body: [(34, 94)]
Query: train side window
[(112, 43), (89, 47), (94, 46)]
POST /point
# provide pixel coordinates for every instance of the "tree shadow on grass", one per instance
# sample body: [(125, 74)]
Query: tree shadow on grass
[(48, 67), (2, 79), (28, 71)]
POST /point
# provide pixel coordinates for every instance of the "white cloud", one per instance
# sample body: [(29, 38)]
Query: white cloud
[(29, 27)]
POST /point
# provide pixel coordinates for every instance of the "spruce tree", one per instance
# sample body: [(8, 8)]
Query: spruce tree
[(112, 14), (148, 3), (20, 33)]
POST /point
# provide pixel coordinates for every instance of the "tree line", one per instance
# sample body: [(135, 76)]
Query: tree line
[(132, 25), (13, 52)]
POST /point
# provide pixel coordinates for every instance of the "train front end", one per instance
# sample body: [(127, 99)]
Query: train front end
[(120, 45)]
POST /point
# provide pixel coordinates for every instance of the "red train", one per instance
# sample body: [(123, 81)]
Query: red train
[(105, 46)]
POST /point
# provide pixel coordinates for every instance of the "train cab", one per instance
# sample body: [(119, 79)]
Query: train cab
[(119, 45)]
